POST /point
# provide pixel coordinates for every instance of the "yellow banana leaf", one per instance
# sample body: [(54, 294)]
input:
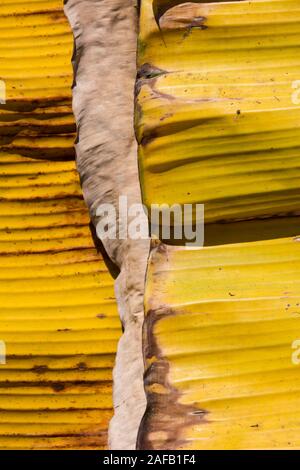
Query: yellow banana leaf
[(222, 347), (218, 122), (58, 315), (218, 115)]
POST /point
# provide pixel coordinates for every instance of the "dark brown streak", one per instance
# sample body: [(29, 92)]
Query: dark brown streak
[(165, 415)]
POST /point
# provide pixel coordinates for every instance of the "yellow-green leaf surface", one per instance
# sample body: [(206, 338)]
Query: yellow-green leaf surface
[(221, 338), (58, 315), (217, 114)]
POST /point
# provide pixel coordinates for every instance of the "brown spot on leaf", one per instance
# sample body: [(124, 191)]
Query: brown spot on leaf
[(58, 386), (165, 419), (42, 369), (101, 316)]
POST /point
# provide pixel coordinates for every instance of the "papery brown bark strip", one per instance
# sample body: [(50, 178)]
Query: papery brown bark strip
[(105, 35)]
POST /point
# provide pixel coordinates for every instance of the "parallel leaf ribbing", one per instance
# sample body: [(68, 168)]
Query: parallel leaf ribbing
[(217, 114), (220, 328), (58, 314)]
